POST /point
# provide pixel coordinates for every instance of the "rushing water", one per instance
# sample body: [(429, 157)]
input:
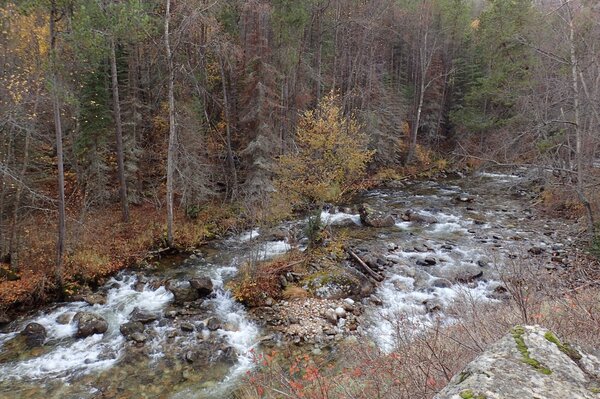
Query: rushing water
[(482, 232)]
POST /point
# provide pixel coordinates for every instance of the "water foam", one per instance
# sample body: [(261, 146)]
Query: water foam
[(96, 352)]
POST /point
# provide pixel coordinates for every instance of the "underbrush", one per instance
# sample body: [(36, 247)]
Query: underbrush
[(256, 282), (98, 245), (422, 363)]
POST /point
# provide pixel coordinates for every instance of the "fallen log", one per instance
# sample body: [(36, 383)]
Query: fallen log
[(371, 272)]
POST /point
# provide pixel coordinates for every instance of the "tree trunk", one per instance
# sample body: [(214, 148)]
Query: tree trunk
[(412, 147), (230, 160), (14, 240), (578, 127), (60, 244), (172, 131), (119, 132)]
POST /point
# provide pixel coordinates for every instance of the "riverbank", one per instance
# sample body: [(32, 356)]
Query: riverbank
[(100, 245)]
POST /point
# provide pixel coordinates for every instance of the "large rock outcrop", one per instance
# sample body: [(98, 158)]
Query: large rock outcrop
[(530, 362)]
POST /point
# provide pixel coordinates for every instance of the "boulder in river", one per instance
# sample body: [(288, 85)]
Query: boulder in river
[(416, 217), (182, 291), (142, 316), (373, 218), (35, 334), (529, 362), (465, 274), (95, 299), (127, 329), (89, 324), (203, 285)]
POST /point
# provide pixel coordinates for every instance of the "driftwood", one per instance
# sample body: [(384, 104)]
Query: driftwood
[(372, 273)]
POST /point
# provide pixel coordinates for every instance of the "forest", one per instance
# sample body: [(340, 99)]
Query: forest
[(133, 129)]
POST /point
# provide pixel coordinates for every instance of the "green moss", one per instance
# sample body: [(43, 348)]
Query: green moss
[(517, 333), (468, 394), (564, 347), (595, 390)]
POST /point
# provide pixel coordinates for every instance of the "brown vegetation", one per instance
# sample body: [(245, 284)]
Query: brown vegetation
[(421, 364)]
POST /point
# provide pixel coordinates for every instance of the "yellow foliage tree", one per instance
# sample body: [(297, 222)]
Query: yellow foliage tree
[(331, 160)]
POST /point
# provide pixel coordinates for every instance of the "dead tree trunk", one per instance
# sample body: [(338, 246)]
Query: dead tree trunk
[(118, 132), (172, 131), (60, 244)]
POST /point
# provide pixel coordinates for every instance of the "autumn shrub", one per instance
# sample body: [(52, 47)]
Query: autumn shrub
[(255, 282), (331, 160)]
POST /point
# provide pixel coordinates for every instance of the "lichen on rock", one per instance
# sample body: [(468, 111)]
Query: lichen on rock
[(529, 362)]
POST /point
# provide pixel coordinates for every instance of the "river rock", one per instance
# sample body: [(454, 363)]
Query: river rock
[(340, 312), (89, 324), (433, 305), (203, 285), (213, 324), (373, 218), (536, 250), (64, 318), (415, 217), (529, 362), (182, 291), (35, 334), (186, 327), (331, 316), (466, 274), (131, 327), (95, 299), (464, 198), (142, 316), (139, 337)]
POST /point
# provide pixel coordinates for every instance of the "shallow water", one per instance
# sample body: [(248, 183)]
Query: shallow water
[(488, 230)]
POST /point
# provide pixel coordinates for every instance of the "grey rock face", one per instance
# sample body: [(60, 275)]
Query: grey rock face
[(529, 362)]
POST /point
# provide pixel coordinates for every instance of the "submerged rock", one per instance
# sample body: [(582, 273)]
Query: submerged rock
[(373, 218), (64, 318), (89, 324), (529, 362), (35, 334)]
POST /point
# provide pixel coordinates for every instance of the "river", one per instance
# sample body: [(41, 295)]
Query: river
[(460, 234)]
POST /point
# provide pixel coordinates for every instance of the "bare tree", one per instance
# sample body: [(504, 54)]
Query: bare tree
[(172, 131), (60, 244)]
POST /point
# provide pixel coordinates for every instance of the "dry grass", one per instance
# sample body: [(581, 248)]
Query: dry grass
[(294, 292), (258, 281)]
